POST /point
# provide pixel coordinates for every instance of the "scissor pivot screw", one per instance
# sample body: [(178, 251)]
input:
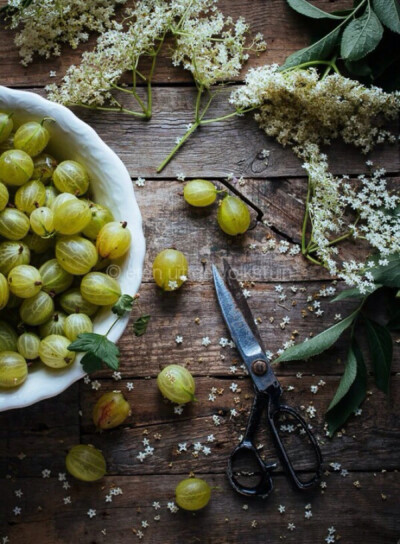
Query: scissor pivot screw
[(259, 367)]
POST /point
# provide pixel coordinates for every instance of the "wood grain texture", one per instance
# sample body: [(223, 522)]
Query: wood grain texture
[(359, 515), (43, 433)]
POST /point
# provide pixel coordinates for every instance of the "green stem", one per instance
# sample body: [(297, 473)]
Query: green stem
[(314, 261), (187, 135), (305, 219), (102, 108), (333, 242), (112, 325)]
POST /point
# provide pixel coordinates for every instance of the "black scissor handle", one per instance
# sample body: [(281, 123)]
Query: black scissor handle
[(273, 412), (264, 486)]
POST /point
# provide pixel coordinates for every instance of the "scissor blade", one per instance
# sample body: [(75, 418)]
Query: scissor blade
[(240, 330), (236, 291)]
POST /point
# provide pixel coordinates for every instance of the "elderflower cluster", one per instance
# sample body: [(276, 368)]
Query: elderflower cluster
[(208, 44), (118, 50), (298, 108), (363, 207), (43, 25), (211, 46)]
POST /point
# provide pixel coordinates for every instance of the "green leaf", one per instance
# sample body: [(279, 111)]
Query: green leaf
[(388, 12), (140, 325), (91, 363), (381, 349), (319, 50), (388, 275), (307, 9), (354, 293), (351, 391), (349, 375), (361, 36), (124, 304), (99, 346), (319, 343), (359, 68)]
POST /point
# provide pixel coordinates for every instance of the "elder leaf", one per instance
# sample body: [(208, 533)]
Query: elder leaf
[(361, 36), (319, 343)]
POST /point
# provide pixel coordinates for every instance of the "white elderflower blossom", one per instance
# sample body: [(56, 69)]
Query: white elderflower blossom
[(304, 112), (43, 25), (211, 46)]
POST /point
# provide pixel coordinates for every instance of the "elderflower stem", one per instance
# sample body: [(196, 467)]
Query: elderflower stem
[(102, 108), (314, 247), (305, 219), (178, 146)]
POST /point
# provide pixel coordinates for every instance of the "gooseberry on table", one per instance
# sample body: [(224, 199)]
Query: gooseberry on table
[(176, 384)]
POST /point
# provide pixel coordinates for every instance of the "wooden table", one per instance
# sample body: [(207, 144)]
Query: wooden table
[(363, 505)]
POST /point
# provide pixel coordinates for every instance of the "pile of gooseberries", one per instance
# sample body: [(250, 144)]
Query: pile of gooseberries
[(55, 244), (233, 216)]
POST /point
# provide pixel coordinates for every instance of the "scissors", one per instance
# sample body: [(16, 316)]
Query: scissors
[(244, 333)]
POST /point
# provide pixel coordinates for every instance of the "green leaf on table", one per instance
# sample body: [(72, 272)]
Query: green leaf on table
[(361, 36), (140, 325), (388, 275), (355, 293), (307, 9), (124, 304), (319, 343), (388, 12), (98, 346), (351, 391), (319, 50), (381, 349)]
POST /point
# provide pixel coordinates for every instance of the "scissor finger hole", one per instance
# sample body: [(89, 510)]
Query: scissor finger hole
[(246, 469), (295, 439)]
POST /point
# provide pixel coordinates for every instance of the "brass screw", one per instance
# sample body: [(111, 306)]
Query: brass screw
[(259, 367)]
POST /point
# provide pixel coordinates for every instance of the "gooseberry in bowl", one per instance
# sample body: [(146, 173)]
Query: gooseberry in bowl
[(53, 176)]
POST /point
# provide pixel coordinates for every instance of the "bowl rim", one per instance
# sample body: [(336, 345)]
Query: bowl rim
[(87, 132)]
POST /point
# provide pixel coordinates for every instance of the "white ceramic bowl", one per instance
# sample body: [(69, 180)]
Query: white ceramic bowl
[(111, 185)]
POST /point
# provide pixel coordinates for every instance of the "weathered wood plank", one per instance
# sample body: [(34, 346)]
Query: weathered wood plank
[(37, 432), (263, 17), (174, 314), (367, 443), (372, 509), (170, 222), (215, 150)]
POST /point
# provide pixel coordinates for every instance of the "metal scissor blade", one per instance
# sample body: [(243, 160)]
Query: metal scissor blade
[(240, 330), (236, 291)]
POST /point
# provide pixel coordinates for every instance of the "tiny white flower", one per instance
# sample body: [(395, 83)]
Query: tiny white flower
[(145, 524), (66, 485), (246, 293), (291, 526), (281, 509), (233, 387), (140, 182), (358, 412), (18, 493), (129, 386), (210, 438), (206, 450), (17, 511), (172, 507), (179, 339), (180, 177), (172, 285), (205, 341), (91, 513), (67, 500), (108, 498), (156, 505), (46, 473), (116, 375), (178, 409), (314, 389)]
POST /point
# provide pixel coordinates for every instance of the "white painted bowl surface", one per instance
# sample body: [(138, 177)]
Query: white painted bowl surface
[(111, 185)]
